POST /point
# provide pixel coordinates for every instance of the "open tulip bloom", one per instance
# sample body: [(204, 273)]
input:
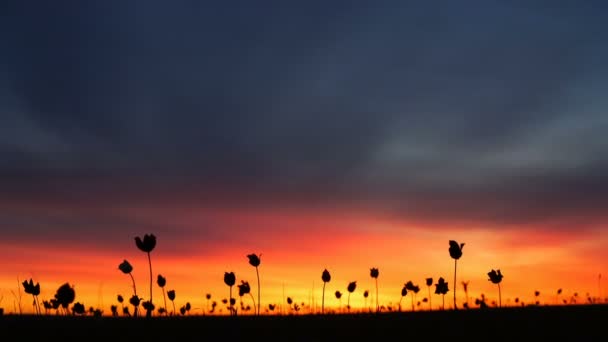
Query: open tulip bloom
[(456, 253), (496, 277)]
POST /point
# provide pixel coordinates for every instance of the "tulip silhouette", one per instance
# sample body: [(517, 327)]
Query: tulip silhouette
[(171, 295), (455, 252), (365, 295), (34, 290), (162, 281), (374, 273), (65, 295), (326, 277), (441, 288), (147, 245), (429, 282), (339, 297), (254, 260), (496, 278), (403, 294), (413, 288), (230, 280), (350, 288)]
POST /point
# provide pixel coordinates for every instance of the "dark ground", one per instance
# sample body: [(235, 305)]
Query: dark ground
[(544, 323)]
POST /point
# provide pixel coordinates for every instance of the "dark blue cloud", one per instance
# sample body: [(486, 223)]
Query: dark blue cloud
[(495, 103)]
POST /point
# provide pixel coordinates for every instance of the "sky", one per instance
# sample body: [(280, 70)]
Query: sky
[(338, 135)]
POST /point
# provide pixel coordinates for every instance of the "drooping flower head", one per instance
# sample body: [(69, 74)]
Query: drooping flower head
[(244, 288), (351, 286), (161, 281), (125, 267), (404, 290), (254, 260), (30, 288), (374, 273)]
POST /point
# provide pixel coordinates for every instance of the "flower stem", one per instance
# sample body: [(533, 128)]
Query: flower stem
[(259, 301), (149, 312), (499, 297), (377, 306), (455, 263), (133, 280), (430, 306), (165, 300), (323, 299), (253, 300)]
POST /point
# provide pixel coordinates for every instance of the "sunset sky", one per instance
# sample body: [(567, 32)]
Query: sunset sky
[(322, 134)]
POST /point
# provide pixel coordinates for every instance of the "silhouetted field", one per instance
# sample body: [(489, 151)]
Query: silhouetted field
[(580, 322)]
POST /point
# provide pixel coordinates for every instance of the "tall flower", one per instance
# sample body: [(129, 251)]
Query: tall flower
[(171, 295), (147, 245), (34, 290), (230, 280), (496, 277), (441, 288), (429, 282), (254, 260), (374, 273), (455, 252), (350, 288), (413, 288), (326, 277), (161, 282)]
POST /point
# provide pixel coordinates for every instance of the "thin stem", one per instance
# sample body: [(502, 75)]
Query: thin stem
[(230, 303), (377, 306), (323, 299), (165, 300), (173, 307), (149, 312), (134, 288), (430, 306), (253, 300), (499, 296), (348, 303), (455, 263), (259, 301), (443, 302), (413, 301), (400, 299)]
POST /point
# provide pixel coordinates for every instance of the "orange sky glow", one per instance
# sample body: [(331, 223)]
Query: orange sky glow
[(296, 246)]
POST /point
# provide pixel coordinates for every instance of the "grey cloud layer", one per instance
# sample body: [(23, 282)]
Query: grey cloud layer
[(452, 107)]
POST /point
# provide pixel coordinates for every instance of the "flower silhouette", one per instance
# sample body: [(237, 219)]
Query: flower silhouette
[(78, 309), (429, 283), (413, 288), (34, 290), (244, 289), (171, 295), (147, 245), (374, 273), (162, 281), (455, 252), (126, 268), (65, 295), (441, 288), (326, 277), (230, 280), (496, 277), (254, 260), (339, 297), (350, 288)]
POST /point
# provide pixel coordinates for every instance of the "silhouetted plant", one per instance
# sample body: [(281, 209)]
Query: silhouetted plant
[(441, 288), (496, 278), (536, 294), (350, 288), (455, 252), (254, 260), (374, 273), (147, 245), (114, 310), (65, 295), (559, 291), (121, 301), (326, 277), (126, 268), (184, 310), (339, 297), (403, 294), (429, 283), (171, 295), (414, 289), (148, 305), (465, 287), (34, 290), (208, 297), (230, 280), (47, 306), (78, 309), (271, 307), (135, 301), (162, 281), (244, 289)]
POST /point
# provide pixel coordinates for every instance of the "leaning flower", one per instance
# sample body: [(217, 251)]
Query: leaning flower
[(350, 288), (254, 260), (441, 288), (326, 277), (374, 273), (244, 289), (496, 277), (34, 290), (162, 281), (126, 268), (230, 280)]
